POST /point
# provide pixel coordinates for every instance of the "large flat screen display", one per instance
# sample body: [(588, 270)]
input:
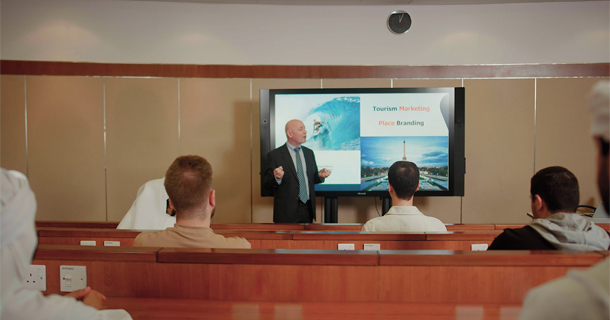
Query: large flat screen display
[(359, 133)]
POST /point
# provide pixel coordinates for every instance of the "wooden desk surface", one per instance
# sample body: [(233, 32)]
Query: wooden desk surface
[(87, 232), (356, 235), (95, 253), (268, 256), (286, 235), (77, 224), (190, 309), (479, 235), (488, 258), (287, 226), (259, 226), (319, 257)]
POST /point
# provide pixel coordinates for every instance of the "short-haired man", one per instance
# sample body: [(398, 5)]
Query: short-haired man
[(403, 216), (188, 183), (581, 294), (556, 225)]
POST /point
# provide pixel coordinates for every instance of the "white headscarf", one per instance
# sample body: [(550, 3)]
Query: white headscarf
[(148, 210), (17, 244), (599, 107)]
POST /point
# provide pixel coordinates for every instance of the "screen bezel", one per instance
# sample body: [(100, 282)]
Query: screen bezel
[(456, 135)]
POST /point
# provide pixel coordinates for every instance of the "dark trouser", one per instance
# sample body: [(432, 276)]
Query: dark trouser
[(303, 212)]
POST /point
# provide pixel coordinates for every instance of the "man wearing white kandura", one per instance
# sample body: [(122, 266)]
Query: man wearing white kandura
[(18, 241)]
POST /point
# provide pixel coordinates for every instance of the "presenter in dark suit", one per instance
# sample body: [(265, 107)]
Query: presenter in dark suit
[(288, 165)]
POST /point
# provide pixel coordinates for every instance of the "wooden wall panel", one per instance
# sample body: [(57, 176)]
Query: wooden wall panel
[(66, 147), (13, 153), (142, 136), (563, 132), (262, 207), (499, 150), (215, 123)]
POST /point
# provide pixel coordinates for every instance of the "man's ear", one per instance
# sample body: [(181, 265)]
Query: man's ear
[(212, 198), (390, 189), (538, 202), (171, 210), (418, 185)]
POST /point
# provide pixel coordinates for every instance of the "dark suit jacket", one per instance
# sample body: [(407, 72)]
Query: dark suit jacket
[(286, 195)]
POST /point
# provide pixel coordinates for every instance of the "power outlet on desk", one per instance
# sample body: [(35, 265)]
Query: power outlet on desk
[(72, 278), (372, 246), (36, 278), (479, 247), (346, 246)]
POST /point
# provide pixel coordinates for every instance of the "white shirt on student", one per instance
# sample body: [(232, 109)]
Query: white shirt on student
[(404, 219)]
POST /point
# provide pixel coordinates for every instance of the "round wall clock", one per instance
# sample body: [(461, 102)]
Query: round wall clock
[(399, 22)]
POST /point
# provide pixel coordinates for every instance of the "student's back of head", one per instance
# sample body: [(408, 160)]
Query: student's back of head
[(404, 178), (188, 182), (558, 187)]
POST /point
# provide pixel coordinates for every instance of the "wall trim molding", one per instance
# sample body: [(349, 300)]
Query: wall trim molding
[(52, 68)]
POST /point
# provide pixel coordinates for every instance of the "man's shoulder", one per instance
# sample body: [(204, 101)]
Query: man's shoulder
[(369, 225), (152, 238), (521, 233), (525, 238), (231, 242), (277, 151)]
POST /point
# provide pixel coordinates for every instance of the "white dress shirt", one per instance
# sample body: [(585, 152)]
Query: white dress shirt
[(404, 219)]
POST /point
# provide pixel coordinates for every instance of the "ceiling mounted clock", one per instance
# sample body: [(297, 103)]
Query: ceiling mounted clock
[(399, 22)]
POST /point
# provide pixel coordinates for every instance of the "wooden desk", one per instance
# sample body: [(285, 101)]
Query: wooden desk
[(74, 236), (500, 226), (77, 224), (314, 275), (258, 226), (286, 226), (183, 309), (459, 240)]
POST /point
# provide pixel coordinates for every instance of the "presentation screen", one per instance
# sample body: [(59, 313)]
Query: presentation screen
[(358, 134)]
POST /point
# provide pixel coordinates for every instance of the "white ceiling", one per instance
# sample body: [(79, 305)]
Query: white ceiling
[(368, 2)]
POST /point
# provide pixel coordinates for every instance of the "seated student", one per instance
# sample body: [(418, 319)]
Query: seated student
[(556, 225), (403, 216), (581, 294), (18, 242), (188, 183)]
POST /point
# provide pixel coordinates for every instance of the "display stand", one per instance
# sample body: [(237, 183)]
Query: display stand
[(331, 210), (386, 204)]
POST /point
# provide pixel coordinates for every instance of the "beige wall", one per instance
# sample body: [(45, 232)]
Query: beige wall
[(12, 117), (80, 171)]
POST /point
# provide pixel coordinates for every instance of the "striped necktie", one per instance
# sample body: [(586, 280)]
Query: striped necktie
[(301, 175)]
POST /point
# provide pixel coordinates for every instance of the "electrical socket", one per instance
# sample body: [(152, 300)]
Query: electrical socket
[(372, 246), (346, 246), (479, 247), (36, 277), (72, 278)]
